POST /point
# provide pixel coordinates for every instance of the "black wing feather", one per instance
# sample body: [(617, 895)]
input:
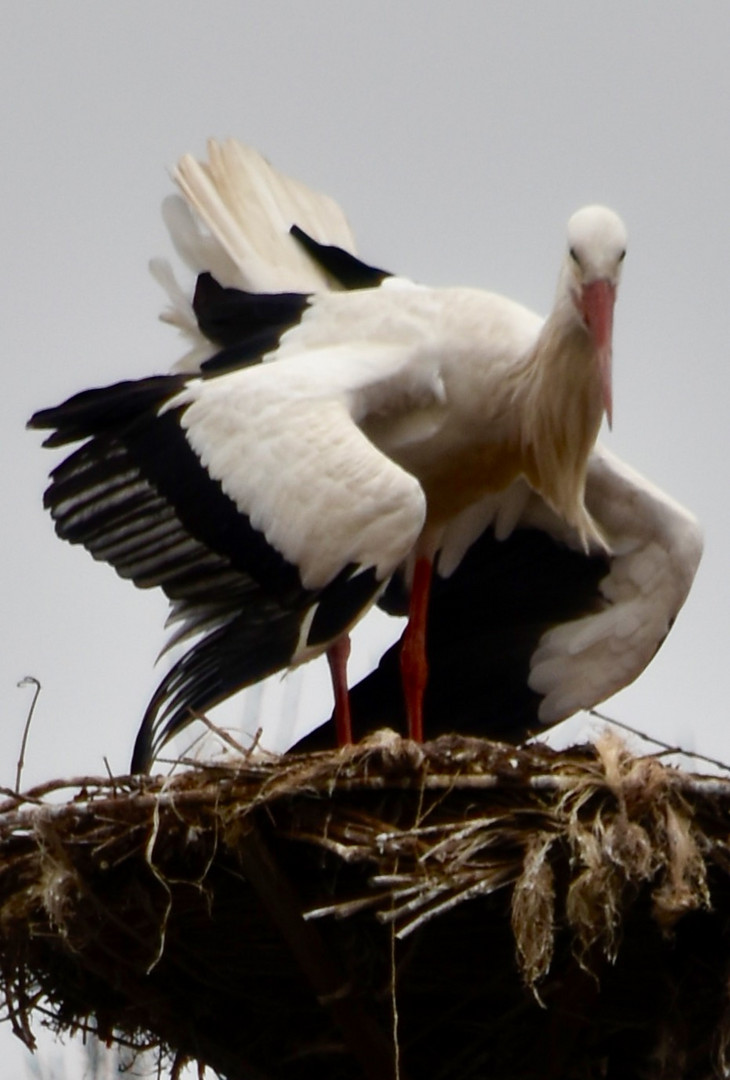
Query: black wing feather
[(136, 495), (347, 270)]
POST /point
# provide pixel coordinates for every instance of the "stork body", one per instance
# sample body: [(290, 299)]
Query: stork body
[(525, 627), (273, 502)]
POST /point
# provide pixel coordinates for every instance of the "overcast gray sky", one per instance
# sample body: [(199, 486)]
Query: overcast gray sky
[(458, 137)]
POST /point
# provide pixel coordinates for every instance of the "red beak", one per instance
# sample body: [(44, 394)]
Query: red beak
[(597, 302)]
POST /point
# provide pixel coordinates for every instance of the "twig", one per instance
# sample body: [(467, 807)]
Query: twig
[(29, 680), (394, 1005), (148, 853), (228, 739), (658, 742), (178, 1065)]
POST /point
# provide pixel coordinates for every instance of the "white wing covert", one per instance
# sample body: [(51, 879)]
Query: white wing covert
[(282, 442)]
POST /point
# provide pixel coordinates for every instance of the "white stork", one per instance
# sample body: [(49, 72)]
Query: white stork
[(399, 428), (528, 628)]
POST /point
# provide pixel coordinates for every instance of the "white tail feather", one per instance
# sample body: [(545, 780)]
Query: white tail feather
[(180, 313), (197, 248), (249, 209)]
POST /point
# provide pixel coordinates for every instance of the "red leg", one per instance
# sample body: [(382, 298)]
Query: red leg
[(413, 666), (337, 657)]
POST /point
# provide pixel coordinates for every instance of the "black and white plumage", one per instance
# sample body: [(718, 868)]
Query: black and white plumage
[(274, 502), (529, 628)]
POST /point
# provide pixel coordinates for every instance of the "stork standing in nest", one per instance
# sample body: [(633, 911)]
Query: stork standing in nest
[(273, 502)]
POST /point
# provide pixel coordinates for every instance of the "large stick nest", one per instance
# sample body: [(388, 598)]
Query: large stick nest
[(461, 909)]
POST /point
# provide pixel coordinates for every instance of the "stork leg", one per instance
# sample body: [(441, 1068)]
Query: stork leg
[(413, 665), (337, 657)]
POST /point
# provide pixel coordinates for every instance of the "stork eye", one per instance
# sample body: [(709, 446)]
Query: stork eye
[(574, 256), (622, 255)]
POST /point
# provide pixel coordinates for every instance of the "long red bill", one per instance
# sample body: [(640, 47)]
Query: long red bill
[(597, 302)]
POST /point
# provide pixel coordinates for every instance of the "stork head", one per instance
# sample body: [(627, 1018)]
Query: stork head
[(596, 250)]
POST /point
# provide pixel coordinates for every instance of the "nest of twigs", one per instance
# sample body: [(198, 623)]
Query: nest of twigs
[(461, 909)]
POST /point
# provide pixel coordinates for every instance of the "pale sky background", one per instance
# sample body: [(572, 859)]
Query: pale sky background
[(458, 137)]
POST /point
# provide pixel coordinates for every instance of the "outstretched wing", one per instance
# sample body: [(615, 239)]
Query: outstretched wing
[(251, 498), (179, 487)]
